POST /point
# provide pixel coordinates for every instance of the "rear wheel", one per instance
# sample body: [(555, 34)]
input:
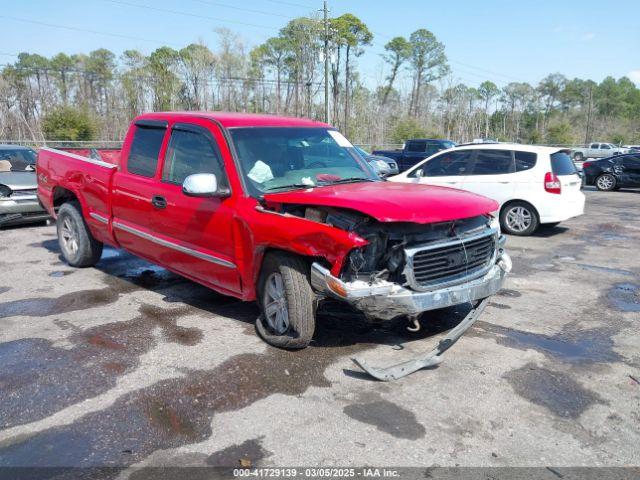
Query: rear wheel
[(78, 246), (286, 301), (519, 218), (606, 182)]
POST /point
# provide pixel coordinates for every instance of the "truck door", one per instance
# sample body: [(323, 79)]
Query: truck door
[(446, 169), (134, 186), (606, 150), (196, 232)]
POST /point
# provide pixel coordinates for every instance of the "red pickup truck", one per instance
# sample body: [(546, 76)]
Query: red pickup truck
[(279, 210)]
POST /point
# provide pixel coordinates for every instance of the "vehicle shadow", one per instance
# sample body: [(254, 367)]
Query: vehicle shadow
[(338, 325), (547, 231), (18, 226)]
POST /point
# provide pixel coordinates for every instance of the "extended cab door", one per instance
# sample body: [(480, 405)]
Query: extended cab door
[(134, 186), (446, 169), (491, 175), (196, 232)]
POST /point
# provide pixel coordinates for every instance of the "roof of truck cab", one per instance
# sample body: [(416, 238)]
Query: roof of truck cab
[(234, 119)]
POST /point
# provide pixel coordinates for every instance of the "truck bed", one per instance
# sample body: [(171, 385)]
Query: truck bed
[(90, 180)]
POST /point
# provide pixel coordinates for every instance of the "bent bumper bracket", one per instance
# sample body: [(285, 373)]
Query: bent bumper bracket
[(430, 359)]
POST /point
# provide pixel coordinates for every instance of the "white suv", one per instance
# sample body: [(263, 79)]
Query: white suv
[(532, 184)]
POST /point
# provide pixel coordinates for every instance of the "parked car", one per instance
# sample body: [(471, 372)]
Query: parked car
[(414, 151), (383, 166), (633, 148), (532, 185), (613, 172), (278, 210), (18, 187), (597, 150)]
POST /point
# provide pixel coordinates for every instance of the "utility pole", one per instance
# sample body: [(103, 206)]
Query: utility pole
[(326, 63), (587, 133)]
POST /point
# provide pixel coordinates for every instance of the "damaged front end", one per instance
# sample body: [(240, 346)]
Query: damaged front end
[(406, 268)]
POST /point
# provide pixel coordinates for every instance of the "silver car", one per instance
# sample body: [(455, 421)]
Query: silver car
[(383, 166), (18, 187)]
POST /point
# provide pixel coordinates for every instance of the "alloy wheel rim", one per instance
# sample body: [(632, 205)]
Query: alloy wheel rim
[(275, 304), (605, 182), (519, 219), (69, 236)]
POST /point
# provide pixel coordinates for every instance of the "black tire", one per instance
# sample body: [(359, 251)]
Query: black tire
[(534, 222), (578, 156), (299, 299), (88, 250), (604, 186)]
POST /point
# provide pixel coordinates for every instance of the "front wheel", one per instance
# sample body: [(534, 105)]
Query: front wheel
[(606, 182), (78, 246), (287, 318), (519, 218)]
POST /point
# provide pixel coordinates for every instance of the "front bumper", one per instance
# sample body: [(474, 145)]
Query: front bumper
[(23, 209), (386, 300)]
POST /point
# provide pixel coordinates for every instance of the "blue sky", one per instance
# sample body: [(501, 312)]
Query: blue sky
[(499, 40)]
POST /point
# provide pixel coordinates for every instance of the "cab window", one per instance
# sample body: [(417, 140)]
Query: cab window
[(416, 146), (189, 152), (145, 148)]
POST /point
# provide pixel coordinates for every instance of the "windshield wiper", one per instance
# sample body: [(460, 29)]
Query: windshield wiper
[(351, 180), (294, 185)]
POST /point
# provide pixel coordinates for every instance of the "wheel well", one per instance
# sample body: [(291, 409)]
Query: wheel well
[(62, 195), (260, 256), (511, 202)]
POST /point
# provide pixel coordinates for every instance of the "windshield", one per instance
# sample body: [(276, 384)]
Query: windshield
[(283, 158), (17, 160)]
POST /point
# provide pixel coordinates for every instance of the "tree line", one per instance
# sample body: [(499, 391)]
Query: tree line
[(93, 96)]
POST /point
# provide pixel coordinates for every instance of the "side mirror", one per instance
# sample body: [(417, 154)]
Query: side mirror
[(203, 185), (419, 173)]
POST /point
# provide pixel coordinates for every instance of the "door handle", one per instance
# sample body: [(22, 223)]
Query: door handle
[(159, 201)]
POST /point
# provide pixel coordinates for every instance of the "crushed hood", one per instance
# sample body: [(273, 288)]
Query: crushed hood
[(19, 180), (391, 201)]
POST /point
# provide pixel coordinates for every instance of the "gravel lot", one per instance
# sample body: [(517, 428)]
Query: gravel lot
[(127, 364)]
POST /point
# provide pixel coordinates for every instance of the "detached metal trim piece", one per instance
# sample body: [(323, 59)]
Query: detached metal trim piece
[(430, 359), (100, 163), (99, 218), (174, 246)]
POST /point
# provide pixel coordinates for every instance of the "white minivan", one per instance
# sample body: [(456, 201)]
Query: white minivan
[(533, 185)]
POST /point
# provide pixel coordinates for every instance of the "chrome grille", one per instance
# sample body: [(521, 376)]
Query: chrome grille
[(447, 263)]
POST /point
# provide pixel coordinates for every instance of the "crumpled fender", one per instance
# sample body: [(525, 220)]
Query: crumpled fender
[(265, 230)]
